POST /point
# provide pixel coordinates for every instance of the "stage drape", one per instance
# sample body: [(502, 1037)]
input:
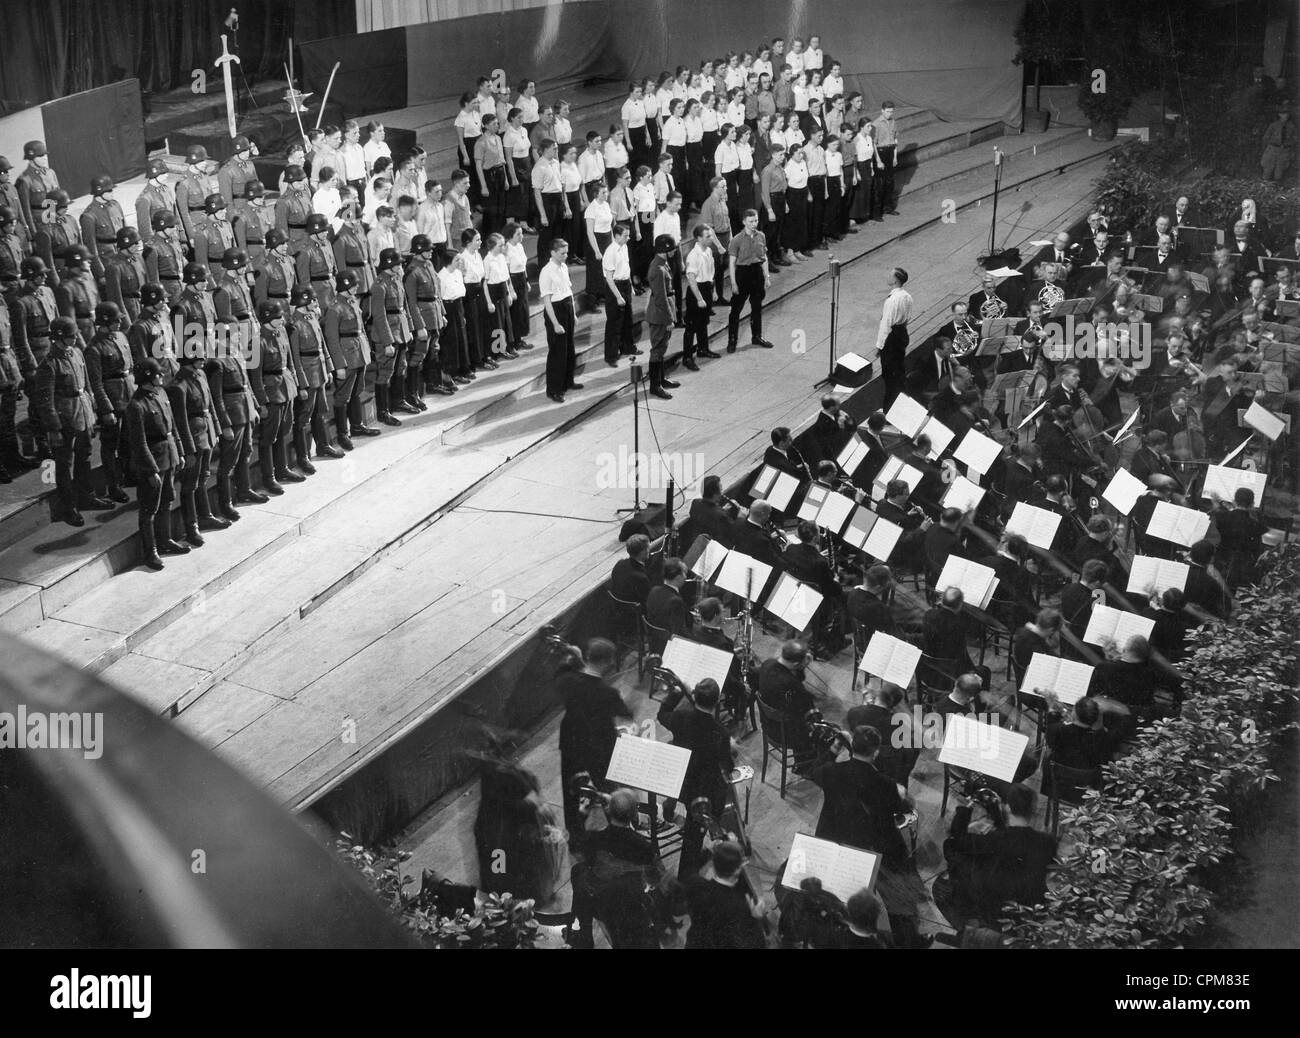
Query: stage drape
[(99, 131), (59, 47), (372, 72)]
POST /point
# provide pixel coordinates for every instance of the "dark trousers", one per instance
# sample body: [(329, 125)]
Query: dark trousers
[(773, 228), (194, 488), (886, 178), (519, 308), (273, 440), (560, 359), (891, 361), (113, 452), (502, 334), (452, 343), (749, 285), (347, 401), (498, 198), (475, 333), (155, 516), (816, 211), (72, 468), (618, 322), (675, 265), (696, 336), (309, 417), (232, 462), (553, 210)]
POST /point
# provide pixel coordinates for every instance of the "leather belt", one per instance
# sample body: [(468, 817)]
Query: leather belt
[(356, 265), (298, 226), (313, 353), (233, 392), (325, 278), (277, 295), (70, 396)]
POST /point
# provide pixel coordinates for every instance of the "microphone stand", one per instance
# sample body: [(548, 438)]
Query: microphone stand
[(636, 442), (833, 268)]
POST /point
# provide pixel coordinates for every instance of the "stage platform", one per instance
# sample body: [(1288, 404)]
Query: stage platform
[(375, 594)]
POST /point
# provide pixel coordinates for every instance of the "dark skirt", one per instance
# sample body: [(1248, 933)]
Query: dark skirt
[(575, 227), (795, 231), (835, 209), (697, 176), (476, 332), (502, 334), (861, 208), (595, 274), (680, 174), (519, 311), (710, 143), (521, 203), (642, 250), (746, 193)]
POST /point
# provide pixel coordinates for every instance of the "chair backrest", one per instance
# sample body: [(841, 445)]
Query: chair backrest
[(624, 604), (658, 636), (1069, 783), (773, 724), (936, 672)]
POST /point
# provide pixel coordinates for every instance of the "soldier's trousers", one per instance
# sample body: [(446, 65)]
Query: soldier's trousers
[(232, 460), (309, 417), (113, 452), (8, 422), (347, 400), (273, 440), (72, 468), (155, 516), (194, 488)]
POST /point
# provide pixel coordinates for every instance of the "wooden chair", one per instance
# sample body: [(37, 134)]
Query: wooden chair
[(953, 778), (655, 640), (626, 619), (775, 743), (1067, 785)]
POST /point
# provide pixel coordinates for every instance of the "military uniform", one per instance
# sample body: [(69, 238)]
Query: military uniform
[(291, 211), (275, 378), (307, 344), (164, 259), (13, 250), (108, 366), (191, 190), (352, 252), (99, 226), (424, 294), (124, 276), (316, 269), (76, 296), (154, 336), (210, 243), (9, 197), (53, 238), (196, 422), (155, 198), (233, 175), (274, 279), (232, 313), (251, 222), (34, 184), (390, 325), (11, 381), (345, 339), (155, 449), (62, 404)]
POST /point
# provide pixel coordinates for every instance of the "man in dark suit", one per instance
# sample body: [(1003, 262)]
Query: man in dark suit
[(724, 915), (867, 606), (711, 513), (1204, 588), (1082, 742), (630, 581), (587, 732), (1151, 458), (941, 540), (697, 729), (1098, 543), (751, 536), (1152, 234), (781, 688), (784, 456), (1169, 635), (1159, 488), (665, 607), (1093, 253), (1058, 445), (943, 640), (877, 454), (988, 301), (1078, 598), (1240, 530), (1243, 240), (859, 802), (1059, 252), (929, 367), (830, 432)]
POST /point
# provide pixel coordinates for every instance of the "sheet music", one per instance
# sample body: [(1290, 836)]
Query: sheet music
[(1034, 524), (1223, 482), (906, 415), (977, 582), (1263, 421), (890, 659), (1199, 281), (940, 436), (710, 559), (1232, 455), (895, 468), (735, 570), (981, 747), (835, 511), (963, 494), (882, 540), (1123, 491), (1068, 680), (1171, 522), (978, 452), (793, 601), (813, 500), (853, 455), (853, 362), (693, 662), (843, 871), (763, 481), (783, 491), (658, 767), (1117, 625), (1151, 576)]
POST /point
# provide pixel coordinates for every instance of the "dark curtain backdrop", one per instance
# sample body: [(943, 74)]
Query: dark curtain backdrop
[(59, 47), (99, 131)]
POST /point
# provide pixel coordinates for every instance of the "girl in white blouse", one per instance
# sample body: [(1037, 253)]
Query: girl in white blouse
[(526, 102), (563, 129), (615, 154), (735, 110), (599, 220), (747, 174), (697, 186), (712, 123), (794, 137), (517, 264), (571, 182), (500, 297), (815, 88), (470, 264), (836, 212), (763, 64), (695, 87), (650, 100), (795, 231), (645, 206), (675, 142), (799, 87), (453, 342)]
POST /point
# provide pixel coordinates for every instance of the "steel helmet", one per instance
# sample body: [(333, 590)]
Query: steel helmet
[(301, 295), (152, 294), (317, 223), (268, 310), (32, 267), (75, 255), (293, 174), (61, 198), (233, 259), (389, 258), (126, 237), (33, 149), (345, 281), (213, 204), (156, 168), (421, 243), (107, 313), (254, 189), (162, 219), (275, 237), (6, 216), (101, 184), (63, 328), (196, 153), (195, 274)]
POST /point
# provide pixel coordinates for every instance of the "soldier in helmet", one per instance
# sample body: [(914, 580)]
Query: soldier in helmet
[(391, 332), (100, 223), (32, 312), (424, 294), (236, 171), (197, 424), (57, 230), (11, 383), (76, 292), (124, 275), (251, 218), (153, 336), (294, 206), (278, 382), (275, 274), (13, 251), (230, 310), (156, 454), (35, 183), (215, 236), (315, 262), (108, 367), (164, 256), (158, 196), (192, 192), (307, 344), (351, 247), (62, 405), (9, 198), (349, 351)]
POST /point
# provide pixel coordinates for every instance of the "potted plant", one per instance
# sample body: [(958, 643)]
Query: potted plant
[(1103, 110)]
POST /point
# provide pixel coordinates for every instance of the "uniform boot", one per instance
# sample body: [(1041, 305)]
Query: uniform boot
[(415, 389), (324, 449), (203, 511), (382, 410), (664, 380), (656, 381), (225, 501), (163, 533), (341, 428), (113, 477), (150, 553), (302, 450), (267, 465), (280, 454), (245, 494)]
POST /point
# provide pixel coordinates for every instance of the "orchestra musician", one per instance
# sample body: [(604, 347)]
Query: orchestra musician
[(712, 513), (831, 431), (961, 329), (1151, 458), (1159, 488), (784, 455), (931, 366), (752, 535), (870, 433), (805, 561), (988, 302)]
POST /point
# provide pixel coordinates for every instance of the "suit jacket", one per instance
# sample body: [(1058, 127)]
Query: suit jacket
[(791, 462), (858, 809), (665, 607), (940, 542), (630, 581), (1204, 591), (754, 542), (870, 612), (588, 732), (827, 438), (807, 564), (944, 640), (926, 371)]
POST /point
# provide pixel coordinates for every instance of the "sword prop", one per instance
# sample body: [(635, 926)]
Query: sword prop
[(326, 96), (224, 63)]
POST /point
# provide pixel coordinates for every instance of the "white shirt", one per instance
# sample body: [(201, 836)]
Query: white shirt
[(699, 261), (591, 166), (776, 137), (452, 284), (634, 113), (554, 283), (570, 177), (374, 149), (795, 62), (800, 91), (516, 258), (669, 224), (796, 174), (379, 239), (615, 154), (373, 202), (735, 113), (563, 130), (527, 107), (600, 216), (472, 270), (651, 105), (832, 86), (834, 163), (726, 157), (430, 221), (615, 263), (897, 310), (497, 268), (709, 120), (516, 142), (470, 121), (734, 77), (694, 129), (812, 59), (643, 198), (864, 147), (819, 92), (663, 98), (746, 154), (353, 160), (674, 132), (546, 177), (759, 67), (326, 201)]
